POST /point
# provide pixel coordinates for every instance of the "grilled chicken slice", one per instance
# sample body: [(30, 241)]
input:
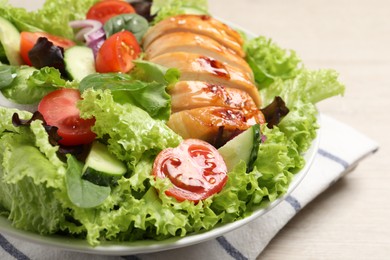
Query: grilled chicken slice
[(198, 44), (195, 94), (213, 124), (199, 24), (194, 67)]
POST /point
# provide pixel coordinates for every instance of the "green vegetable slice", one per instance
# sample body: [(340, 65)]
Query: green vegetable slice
[(82, 193), (101, 167), (243, 147)]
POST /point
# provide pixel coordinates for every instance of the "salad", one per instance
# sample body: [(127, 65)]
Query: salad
[(88, 148)]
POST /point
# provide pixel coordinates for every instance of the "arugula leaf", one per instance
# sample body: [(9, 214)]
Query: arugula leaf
[(82, 193)]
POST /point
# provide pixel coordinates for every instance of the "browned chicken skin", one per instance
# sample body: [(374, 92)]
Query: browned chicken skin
[(216, 97), (199, 24), (194, 94), (213, 122), (202, 68), (197, 44)]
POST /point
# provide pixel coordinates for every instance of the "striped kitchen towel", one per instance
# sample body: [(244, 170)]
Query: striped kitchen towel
[(341, 149)]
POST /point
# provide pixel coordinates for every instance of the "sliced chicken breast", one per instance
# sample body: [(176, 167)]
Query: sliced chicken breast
[(198, 44), (195, 94), (194, 67), (199, 24), (212, 124)]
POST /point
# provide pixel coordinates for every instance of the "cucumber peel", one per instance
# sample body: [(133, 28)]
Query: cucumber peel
[(243, 147), (101, 167), (79, 62), (10, 41)]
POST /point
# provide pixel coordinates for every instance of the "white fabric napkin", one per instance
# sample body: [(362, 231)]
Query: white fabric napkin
[(341, 149)]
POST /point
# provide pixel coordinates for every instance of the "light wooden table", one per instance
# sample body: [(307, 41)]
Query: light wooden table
[(352, 219)]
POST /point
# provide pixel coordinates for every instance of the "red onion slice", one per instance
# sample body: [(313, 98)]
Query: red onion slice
[(91, 32)]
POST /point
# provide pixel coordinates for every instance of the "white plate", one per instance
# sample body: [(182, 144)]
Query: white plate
[(149, 246), (129, 248)]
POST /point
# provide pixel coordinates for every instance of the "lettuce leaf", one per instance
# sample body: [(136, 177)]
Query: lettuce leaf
[(269, 62), (309, 86), (300, 125), (6, 124), (300, 94), (18, 90), (25, 211), (130, 130), (23, 181), (7, 74), (150, 96), (167, 8), (131, 213), (277, 161), (30, 85), (150, 72), (53, 17)]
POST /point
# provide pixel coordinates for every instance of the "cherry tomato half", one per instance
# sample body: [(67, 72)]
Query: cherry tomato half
[(28, 40), (195, 168), (104, 10), (59, 109), (117, 52)]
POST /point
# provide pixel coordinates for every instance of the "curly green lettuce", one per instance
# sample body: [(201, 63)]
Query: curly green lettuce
[(53, 17), (131, 131), (29, 85), (270, 62), (29, 170), (167, 8)]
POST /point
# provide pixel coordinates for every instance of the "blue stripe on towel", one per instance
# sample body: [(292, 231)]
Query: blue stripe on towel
[(293, 202), (230, 249), (13, 251), (334, 158), (131, 257)]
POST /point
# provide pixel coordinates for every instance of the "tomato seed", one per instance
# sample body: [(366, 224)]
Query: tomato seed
[(175, 162)]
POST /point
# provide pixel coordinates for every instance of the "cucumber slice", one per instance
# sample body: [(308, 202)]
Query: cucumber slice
[(10, 40), (243, 147), (101, 167), (79, 62)]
